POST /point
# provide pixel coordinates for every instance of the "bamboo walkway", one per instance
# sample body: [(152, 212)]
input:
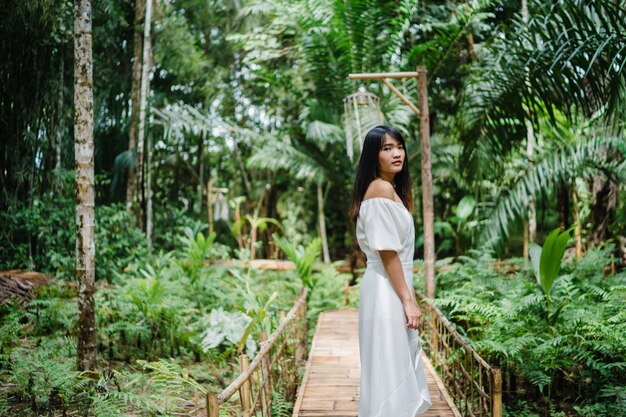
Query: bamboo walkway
[(330, 387)]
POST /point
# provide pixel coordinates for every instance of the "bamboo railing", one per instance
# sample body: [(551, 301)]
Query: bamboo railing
[(474, 385), (276, 364)]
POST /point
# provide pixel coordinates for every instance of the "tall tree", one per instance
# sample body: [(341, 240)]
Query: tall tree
[(145, 91), (83, 147), (135, 95)]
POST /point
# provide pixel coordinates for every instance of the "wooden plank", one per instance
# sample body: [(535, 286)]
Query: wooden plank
[(330, 387)]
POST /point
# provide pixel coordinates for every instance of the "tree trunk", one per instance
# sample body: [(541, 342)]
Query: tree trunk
[(563, 205), (135, 97), (471, 53), (322, 222), (577, 230), (604, 199), (145, 91), (149, 193), (59, 130), (83, 144), (526, 249), (200, 172), (531, 234)]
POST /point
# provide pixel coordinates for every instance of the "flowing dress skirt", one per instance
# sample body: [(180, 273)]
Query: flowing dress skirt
[(393, 383)]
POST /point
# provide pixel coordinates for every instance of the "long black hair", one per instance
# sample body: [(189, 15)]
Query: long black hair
[(369, 169)]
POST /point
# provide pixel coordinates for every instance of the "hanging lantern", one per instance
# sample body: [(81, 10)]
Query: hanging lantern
[(361, 112)]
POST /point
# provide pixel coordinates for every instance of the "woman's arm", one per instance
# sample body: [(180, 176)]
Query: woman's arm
[(393, 267)]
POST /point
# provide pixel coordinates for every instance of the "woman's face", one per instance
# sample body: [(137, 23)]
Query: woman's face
[(391, 156)]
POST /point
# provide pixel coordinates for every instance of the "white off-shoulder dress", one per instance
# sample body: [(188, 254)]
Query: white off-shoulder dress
[(393, 383)]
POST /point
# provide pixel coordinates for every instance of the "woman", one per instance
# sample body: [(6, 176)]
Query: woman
[(393, 383)]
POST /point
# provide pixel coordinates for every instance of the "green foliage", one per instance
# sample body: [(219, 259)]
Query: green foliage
[(574, 356), (547, 260), (42, 238), (557, 167), (328, 295), (256, 307), (567, 43), (303, 258), (281, 407), (546, 263), (43, 378), (171, 375), (458, 230)]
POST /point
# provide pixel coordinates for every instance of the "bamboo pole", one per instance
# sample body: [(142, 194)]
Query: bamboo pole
[(496, 400), (244, 391), (427, 187), (212, 405), (265, 373), (322, 223), (379, 75), (402, 96)]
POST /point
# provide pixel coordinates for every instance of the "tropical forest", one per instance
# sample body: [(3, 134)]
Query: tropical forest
[(176, 183)]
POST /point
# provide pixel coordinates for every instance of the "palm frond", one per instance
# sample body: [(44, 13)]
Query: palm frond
[(277, 155), (555, 168), (322, 132), (571, 57), (179, 120)]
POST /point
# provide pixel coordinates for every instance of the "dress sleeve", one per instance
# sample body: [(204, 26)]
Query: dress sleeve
[(379, 224)]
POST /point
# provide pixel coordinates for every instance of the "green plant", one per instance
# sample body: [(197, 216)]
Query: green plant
[(565, 362), (256, 224), (303, 258), (281, 407), (226, 327), (256, 307), (171, 375), (458, 227), (158, 309), (547, 264)]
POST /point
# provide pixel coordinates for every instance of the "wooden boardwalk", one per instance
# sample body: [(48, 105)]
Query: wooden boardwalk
[(330, 387)]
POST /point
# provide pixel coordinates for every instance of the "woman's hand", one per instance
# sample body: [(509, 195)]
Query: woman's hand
[(413, 314)]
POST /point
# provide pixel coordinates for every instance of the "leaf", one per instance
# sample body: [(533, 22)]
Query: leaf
[(535, 257), (466, 207), (548, 259)]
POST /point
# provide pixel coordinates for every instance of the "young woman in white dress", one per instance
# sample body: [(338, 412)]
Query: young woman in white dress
[(393, 383)]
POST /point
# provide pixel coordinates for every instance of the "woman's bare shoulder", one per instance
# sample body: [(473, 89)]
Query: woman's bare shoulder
[(380, 188)]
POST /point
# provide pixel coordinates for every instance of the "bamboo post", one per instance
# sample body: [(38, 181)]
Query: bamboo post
[(496, 400), (244, 391), (322, 223), (346, 293), (265, 372), (212, 405), (301, 344), (434, 337), (427, 186)]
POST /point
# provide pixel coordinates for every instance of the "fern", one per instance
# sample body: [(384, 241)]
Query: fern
[(504, 320), (281, 407)]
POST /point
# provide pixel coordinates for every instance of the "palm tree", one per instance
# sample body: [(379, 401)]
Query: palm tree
[(83, 139), (573, 55), (568, 59)]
